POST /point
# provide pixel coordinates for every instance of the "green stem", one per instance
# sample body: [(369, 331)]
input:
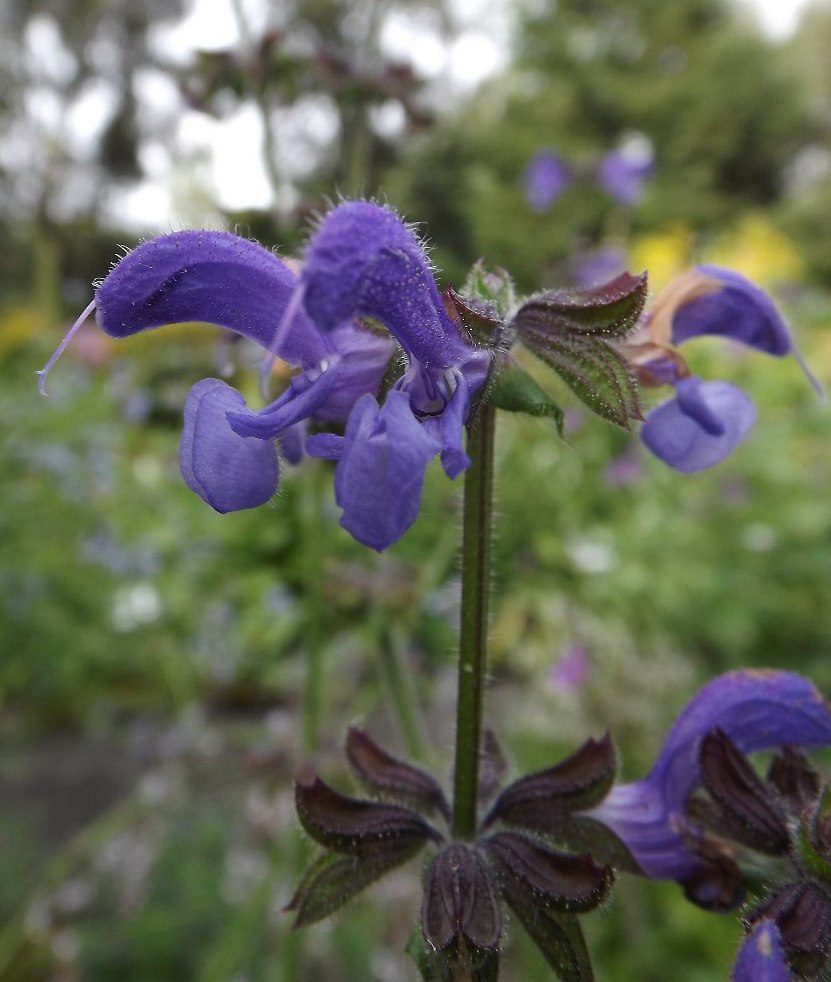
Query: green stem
[(473, 636)]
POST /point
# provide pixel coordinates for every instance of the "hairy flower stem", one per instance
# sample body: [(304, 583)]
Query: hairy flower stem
[(473, 635)]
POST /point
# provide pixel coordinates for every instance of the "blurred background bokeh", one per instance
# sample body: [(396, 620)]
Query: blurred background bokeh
[(154, 656)]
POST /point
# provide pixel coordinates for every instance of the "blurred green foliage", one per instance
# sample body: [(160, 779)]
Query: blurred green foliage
[(133, 617)]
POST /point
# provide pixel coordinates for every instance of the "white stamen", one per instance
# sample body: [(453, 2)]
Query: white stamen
[(815, 382), (70, 334), (292, 307)]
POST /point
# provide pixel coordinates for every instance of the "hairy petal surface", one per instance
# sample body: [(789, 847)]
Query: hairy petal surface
[(757, 710), (228, 471), (701, 426), (364, 262), (214, 277)]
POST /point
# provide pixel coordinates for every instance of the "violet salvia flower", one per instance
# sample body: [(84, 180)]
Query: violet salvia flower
[(624, 173), (545, 179), (706, 421), (757, 710), (761, 958), (365, 293)]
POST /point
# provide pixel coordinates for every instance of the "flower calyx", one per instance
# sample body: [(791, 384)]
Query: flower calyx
[(576, 332), (531, 853), (784, 815)]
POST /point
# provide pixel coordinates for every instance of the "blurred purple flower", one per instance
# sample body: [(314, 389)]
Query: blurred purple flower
[(600, 266), (757, 710), (365, 292), (623, 470), (706, 421), (624, 173), (545, 179), (761, 957), (572, 670)]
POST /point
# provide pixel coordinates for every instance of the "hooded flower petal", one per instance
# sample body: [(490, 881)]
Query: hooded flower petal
[(757, 710), (363, 261), (545, 179), (228, 471), (733, 308), (213, 277), (761, 958), (380, 473), (701, 426)]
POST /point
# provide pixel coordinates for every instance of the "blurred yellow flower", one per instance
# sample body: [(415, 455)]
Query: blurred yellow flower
[(758, 250)]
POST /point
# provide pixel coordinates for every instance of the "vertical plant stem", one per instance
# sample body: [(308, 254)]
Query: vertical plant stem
[(473, 635)]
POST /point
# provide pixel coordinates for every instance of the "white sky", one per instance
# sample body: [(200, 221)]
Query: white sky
[(232, 169)]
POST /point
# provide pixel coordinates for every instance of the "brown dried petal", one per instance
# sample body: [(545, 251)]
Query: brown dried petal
[(349, 825), (459, 901), (333, 880), (743, 795), (553, 879), (795, 778), (575, 784), (384, 774)]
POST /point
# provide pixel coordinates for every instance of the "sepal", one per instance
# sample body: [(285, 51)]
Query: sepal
[(333, 880), (356, 827), (575, 784), (515, 391), (460, 915), (551, 879), (571, 331), (610, 310), (382, 774), (802, 914), (558, 936), (749, 805)]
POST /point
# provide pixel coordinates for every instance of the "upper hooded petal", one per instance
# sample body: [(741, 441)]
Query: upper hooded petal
[(228, 471), (380, 474), (735, 309), (757, 710), (701, 426), (215, 277), (363, 261)]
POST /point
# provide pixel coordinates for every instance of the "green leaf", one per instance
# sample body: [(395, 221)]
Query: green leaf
[(515, 391), (558, 936), (333, 880)]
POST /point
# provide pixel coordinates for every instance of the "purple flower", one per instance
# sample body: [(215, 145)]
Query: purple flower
[(545, 179), (365, 293), (701, 426), (761, 957), (757, 710), (572, 670), (624, 173), (706, 421)]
